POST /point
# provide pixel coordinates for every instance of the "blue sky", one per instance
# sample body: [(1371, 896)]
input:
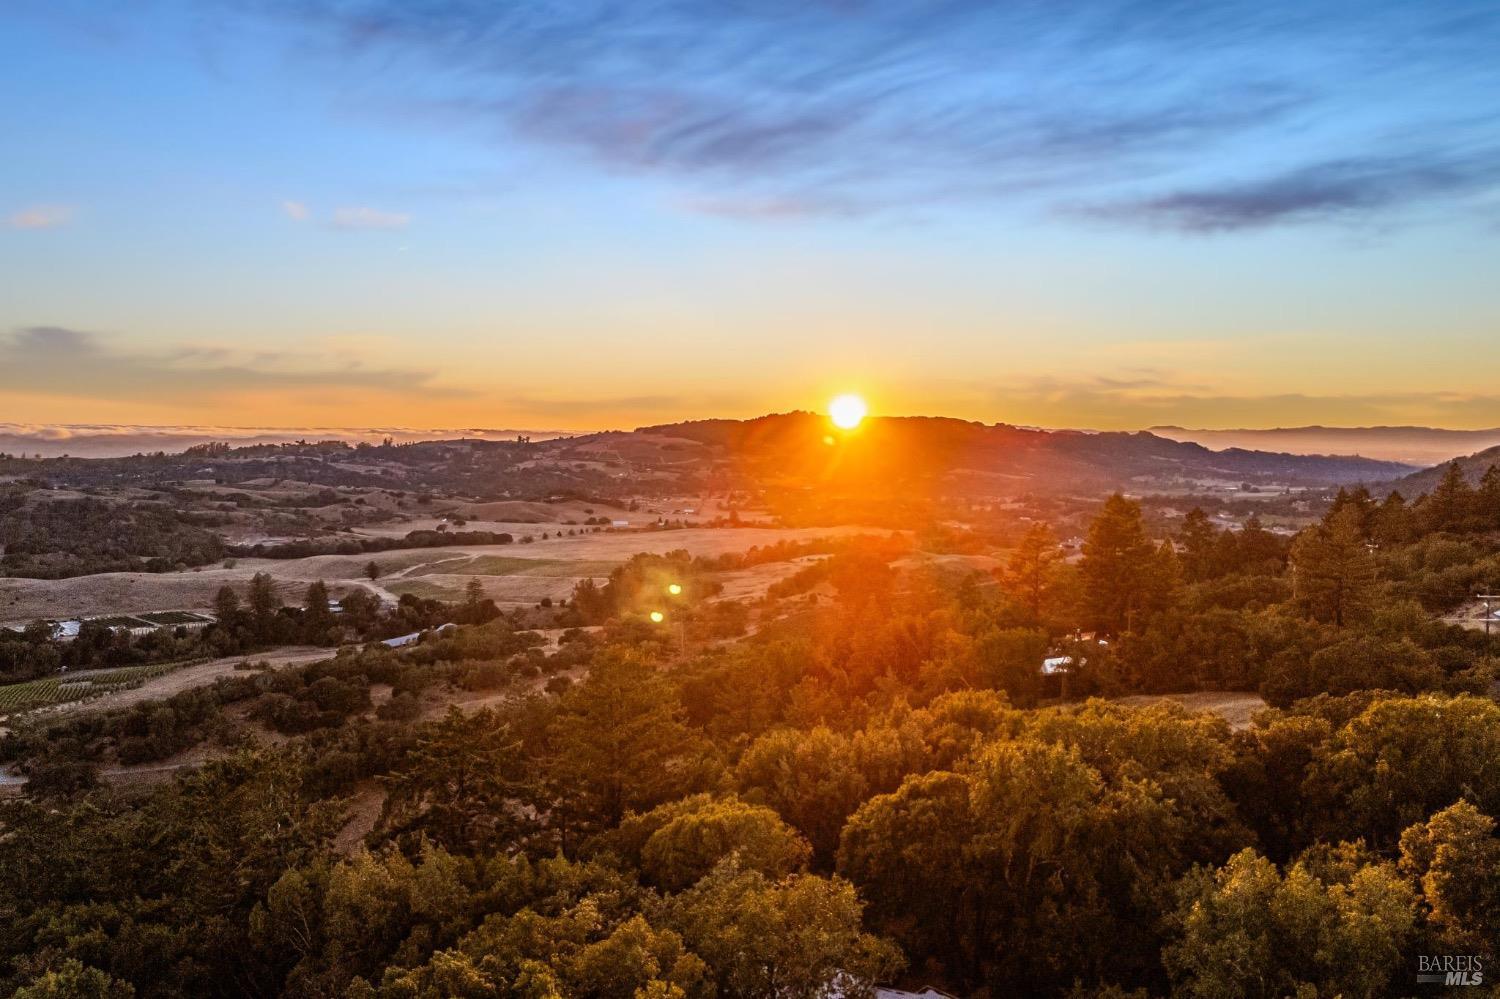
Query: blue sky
[(459, 213)]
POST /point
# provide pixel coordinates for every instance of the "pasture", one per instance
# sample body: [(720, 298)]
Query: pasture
[(516, 574)]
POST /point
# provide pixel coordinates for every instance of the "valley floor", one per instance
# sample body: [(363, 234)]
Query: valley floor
[(515, 574)]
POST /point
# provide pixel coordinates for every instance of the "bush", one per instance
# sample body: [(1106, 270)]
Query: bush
[(403, 706), (62, 777), (484, 676), (290, 716)]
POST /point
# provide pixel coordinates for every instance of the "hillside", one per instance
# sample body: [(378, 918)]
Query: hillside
[(182, 509), (1474, 467), (788, 449), (1002, 458)]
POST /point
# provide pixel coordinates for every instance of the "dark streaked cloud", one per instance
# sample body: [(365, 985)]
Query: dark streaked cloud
[(49, 343), (1146, 397), (1334, 188), (1191, 115), (55, 360)]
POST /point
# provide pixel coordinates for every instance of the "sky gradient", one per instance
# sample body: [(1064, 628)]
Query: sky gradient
[(593, 214)]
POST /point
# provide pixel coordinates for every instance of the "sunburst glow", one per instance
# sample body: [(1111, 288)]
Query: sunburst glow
[(847, 411)]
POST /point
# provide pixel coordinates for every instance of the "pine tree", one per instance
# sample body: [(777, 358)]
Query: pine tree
[(1163, 580), (1199, 540), (620, 743), (1360, 501), (317, 615), (1119, 565), (1257, 550), (1487, 500), (227, 606), (1393, 522), (1449, 506), (461, 783), (1030, 567), (1333, 572), (264, 603)]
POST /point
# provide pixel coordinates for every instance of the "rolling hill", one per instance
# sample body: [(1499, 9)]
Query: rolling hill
[(1474, 466), (1000, 458)]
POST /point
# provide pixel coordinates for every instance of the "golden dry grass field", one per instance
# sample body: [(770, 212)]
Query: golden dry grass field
[(511, 574)]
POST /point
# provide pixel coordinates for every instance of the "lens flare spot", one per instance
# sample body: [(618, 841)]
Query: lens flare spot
[(657, 617)]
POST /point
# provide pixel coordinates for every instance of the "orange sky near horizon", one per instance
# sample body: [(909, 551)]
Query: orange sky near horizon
[(1081, 406), (1083, 218)]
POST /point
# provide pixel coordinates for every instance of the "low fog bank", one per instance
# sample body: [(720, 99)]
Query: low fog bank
[(1413, 445), (114, 440)]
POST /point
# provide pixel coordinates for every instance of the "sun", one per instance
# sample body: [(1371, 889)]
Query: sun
[(847, 411)]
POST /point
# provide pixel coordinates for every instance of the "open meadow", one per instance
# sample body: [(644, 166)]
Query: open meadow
[(515, 574)]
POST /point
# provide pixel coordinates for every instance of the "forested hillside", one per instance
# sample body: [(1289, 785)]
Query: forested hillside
[(866, 776), (1473, 468), (71, 537), (923, 449)]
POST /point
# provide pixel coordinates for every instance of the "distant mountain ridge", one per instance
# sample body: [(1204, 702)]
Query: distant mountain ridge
[(887, 462), (797, 446), (1408, 444)]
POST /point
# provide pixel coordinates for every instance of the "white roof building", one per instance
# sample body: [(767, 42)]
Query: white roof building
[(1053, 665), (416, 636)]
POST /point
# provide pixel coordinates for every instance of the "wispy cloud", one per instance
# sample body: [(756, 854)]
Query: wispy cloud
[(56, 360), (560, 408), (295, 210), (1331, 189), (775, 208), (1146, 397), (362, 217), (781, 109), (42, 217)]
